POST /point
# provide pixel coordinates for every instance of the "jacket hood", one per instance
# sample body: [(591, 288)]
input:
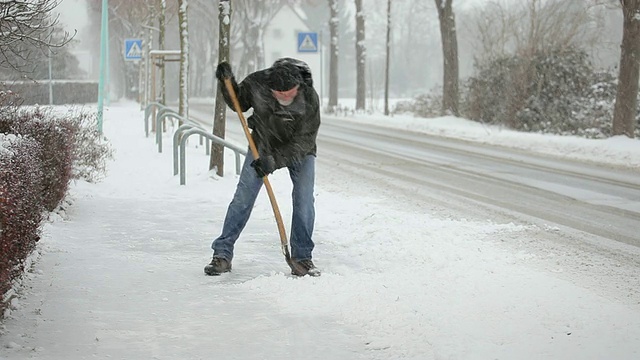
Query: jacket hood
[(285, 73)]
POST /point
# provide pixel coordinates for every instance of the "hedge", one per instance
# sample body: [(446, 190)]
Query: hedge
[(41, 151), (64, 91), (20, 204)]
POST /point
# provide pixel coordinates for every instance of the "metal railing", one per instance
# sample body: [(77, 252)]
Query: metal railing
[(183, 120), (148, 111), (179, 140), (180, 136)]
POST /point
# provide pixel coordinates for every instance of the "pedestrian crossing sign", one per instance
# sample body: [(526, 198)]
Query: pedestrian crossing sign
[(132, 49), (308, 42)]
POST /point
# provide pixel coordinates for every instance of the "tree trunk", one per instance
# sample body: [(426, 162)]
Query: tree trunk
[(333, 55), (387, 65), (450, 56), (183, 107), (626, 99), (219, 119), (361, 58), (250, 55)]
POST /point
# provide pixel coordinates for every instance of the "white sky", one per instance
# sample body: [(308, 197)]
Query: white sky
[(119, 275), (73, 15)]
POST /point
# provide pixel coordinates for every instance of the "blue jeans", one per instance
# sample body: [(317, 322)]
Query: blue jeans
[(303, 177)]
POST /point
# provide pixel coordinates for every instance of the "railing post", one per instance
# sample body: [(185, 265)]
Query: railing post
[(166, 114), (237, 163), (176, 144), (183, 157), (183, 161), (147, 112)]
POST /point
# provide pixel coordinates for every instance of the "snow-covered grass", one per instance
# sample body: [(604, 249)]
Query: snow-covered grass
[(120, 272), (617, 150)]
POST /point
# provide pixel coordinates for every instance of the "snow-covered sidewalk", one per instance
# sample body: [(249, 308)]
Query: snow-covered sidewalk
[(120, 276)]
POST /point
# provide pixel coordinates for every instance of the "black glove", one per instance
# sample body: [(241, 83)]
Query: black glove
[(264, 165), (223, 71)]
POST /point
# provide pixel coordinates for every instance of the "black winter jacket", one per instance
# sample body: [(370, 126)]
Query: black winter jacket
[(288, 133)]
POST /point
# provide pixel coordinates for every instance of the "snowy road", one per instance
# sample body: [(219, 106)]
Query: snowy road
[(589, 200), (595, 199), (588, 209)]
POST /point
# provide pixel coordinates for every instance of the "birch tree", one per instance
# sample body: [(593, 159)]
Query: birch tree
[(450, 95), (183, 106), (625, 109), (361, 57)]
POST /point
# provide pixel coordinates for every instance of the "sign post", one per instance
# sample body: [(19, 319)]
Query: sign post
[(104, 37)]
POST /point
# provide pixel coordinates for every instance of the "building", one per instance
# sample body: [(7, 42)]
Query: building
[(281, 39)]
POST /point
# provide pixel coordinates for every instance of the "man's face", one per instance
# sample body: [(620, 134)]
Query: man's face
[(285, 98)]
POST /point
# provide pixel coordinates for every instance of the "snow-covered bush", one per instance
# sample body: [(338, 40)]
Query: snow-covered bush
[(55, 137), (423, 105), (64, 91), (556, 91), (40, 152), (73, 147), (486, 96), (21, 204), (91, 150)]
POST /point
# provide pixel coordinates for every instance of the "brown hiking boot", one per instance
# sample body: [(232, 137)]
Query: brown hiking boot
[(306, 267), (217, 266)]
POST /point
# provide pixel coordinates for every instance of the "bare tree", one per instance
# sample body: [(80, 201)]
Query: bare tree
[(183, 106), (450, 95), (532, 26), (333, 54), (539, 26), (26, 27), (495, 26), (203, 36), (361, 57), (217, 151), (253, 18), (413, 44), (626, 99)]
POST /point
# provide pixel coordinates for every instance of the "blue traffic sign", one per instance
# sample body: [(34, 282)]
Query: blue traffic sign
[(308, 42), (132, 49)]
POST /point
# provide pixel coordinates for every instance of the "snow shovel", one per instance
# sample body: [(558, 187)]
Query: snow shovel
[(296, 268)]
